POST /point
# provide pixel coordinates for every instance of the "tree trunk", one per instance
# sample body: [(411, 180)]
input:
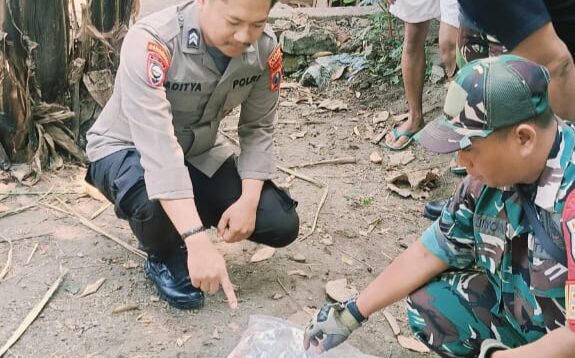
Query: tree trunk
[(36, 75)]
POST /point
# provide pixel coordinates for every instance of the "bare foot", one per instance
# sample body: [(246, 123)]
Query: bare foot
[(405, 132)]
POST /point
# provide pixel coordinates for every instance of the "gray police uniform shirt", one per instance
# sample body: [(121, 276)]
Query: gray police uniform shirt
[(169, 99)]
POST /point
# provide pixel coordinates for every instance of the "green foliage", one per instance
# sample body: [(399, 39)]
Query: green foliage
[(383, 45)]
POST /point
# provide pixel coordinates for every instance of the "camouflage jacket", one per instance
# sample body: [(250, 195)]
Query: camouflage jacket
[(484, 229)]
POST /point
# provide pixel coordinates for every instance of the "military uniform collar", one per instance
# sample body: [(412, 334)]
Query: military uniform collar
[(189, 19), (552, 176)]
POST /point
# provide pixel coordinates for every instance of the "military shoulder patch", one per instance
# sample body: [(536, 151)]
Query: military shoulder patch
[(275, 66), (157, 64)]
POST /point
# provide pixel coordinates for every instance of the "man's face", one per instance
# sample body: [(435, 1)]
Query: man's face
[(495, 161), (233, 25)]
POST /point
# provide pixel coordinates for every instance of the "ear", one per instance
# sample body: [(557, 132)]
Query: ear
[(525, 137)]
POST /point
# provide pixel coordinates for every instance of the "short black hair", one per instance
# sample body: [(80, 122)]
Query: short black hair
[(542, 121)]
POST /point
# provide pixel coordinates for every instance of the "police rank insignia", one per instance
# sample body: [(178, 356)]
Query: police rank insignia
[(275, 66), (194, 39), (157, 65)]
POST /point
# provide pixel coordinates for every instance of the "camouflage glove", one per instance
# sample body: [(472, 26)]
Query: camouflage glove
[(332, 325), (490, 346)]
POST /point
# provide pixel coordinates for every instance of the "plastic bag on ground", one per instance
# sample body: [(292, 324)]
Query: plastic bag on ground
[(270, 337)]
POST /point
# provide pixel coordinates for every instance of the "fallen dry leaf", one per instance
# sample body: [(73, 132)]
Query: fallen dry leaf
[(415, 184), (375, 158), (297, 273), (326, 242), (392, 322), (412, 344), (130, 264), (93, 288), (338, 72), (380, 117), (298, 258), (297, 135), (403, 192), (401, 158), (126, 308), (333, 105), (277, 296), (263, 254), (346, 260), (339, 290), (234, 327), (216, 334), (376, 139), (356, 131), (183, 339)]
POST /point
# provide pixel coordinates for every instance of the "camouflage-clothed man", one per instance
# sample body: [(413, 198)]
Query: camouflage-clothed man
[(481, 281)]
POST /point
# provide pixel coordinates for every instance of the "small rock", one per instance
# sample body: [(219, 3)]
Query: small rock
[(375, 158), (298, 258)]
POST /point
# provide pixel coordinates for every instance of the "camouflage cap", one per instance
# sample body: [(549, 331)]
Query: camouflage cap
[(486, 95)]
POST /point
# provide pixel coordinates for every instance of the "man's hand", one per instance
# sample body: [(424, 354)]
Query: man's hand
[(207, 267), (330, 327), (239, 220)]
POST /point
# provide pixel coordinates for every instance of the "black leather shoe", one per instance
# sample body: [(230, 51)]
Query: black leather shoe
[(433, 209), (171, 278)]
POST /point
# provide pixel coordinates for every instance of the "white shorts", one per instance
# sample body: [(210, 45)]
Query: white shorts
[(415, 11)]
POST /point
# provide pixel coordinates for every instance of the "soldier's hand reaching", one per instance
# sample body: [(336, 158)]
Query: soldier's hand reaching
[(330, 327), (207, 267)]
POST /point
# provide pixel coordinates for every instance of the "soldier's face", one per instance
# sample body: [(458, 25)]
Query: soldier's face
[(494, 161), (233, 25)]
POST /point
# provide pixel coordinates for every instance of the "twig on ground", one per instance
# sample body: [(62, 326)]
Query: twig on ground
[(287, 122), (44, 193), (32, 315), (300, 176), (18, 210), (8, 262), (282, 285), (32, 253), (387, 256), (25, 237), (100, 211), (354, 258), (95, 228), (316, 217), (344, 160), (2, 197), (288, 293)]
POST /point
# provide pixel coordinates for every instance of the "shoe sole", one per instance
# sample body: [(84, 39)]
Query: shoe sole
[(179, 305), (431, 216)]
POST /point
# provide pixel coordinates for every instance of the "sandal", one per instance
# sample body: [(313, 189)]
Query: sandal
[(398, 134)]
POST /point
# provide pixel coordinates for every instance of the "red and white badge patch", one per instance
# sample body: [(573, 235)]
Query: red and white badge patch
[(157, 64), (275, 66)]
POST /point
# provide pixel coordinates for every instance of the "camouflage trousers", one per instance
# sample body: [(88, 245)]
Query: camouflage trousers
[(473, 45), (452, 316)]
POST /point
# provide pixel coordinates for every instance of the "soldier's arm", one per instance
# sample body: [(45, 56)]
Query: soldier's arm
[(559, 343), (449, 242), (410, 270)]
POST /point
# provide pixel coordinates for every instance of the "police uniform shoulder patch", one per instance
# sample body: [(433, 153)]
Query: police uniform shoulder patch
[(275, 66), (157, 64)]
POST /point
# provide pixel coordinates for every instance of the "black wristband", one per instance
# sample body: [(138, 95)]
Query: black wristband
[(351, 306), (192, 232)]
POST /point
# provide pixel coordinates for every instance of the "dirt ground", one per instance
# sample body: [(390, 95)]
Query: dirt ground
[(360, 228)]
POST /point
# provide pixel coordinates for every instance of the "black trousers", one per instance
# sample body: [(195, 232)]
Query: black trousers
[(120, 177)]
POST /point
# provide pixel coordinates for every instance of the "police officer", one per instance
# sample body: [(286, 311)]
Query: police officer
[(155, 151), (488, 278)]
